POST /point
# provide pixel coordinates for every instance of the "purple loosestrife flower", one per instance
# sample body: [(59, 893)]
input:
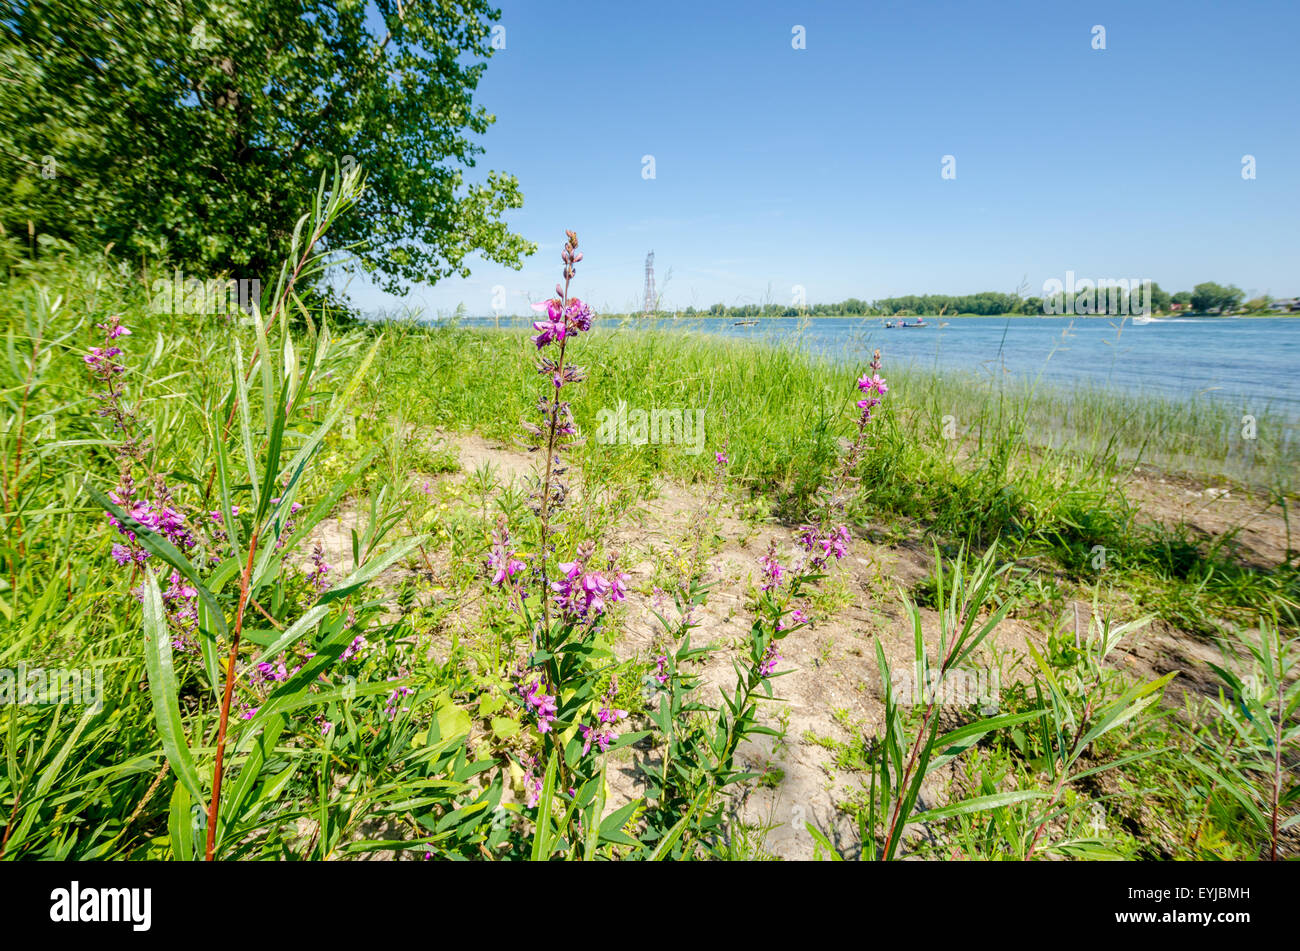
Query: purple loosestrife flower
[(180, 602), (163, 520), (836, 494), (768, 664), (269, 673), (501, 560), (316, 576), (552, 328), (658, 599), (533, 784), (105, 368), (872, 387), (837, 543), (797, 617), (395, 698), (607, 717), (563, 317), (359, 643), (661, 669), (608, 714), (873, 384), (541, 704), (585, 593), (102, 360), (113, 329), (772, 570), (159, 515)]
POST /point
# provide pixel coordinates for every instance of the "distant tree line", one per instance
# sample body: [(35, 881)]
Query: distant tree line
[(1203, 298)]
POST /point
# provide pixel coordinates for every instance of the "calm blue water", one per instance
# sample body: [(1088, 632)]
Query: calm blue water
[(1252, 363)]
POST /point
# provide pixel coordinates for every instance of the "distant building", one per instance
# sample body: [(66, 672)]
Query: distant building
[(1286, 306)]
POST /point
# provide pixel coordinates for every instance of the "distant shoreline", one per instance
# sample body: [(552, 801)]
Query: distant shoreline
[(930, 319), (934, 318)]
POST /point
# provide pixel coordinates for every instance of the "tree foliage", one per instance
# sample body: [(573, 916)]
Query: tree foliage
[(187, 130), (1209, 296)]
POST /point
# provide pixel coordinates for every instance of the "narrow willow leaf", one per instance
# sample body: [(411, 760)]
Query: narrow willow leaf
[(162, 688), (542, 836), (978, 804)]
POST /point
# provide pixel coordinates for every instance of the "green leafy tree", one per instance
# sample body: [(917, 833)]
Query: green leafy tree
[(1209, 295), (1159, 298), (183, 130)]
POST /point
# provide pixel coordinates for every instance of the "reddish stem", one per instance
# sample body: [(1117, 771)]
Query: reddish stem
[(231, 660)]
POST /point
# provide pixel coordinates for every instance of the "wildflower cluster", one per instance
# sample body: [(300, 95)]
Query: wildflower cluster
[(772, 571), (821, 542), (317, 575), (823, 546), (797, 617), (873, 389), (565, 318), (393, 706), (533, 783), (584, 593), (539, 703), (264, 675), (502, 561), (768, 664), (180, 602), (603, 733), (661, 674), (105, 368), (158, 514)]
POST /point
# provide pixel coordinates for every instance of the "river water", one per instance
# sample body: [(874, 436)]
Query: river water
[(1252, 363)]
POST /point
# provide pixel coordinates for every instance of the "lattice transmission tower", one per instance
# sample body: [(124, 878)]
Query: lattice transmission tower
[(651, 302)]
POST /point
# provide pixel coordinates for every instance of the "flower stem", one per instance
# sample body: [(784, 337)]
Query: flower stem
[(215, 805)]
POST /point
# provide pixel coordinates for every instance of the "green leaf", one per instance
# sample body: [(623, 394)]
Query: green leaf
[(820, 838), (542, 835), (978, 804), (180, 827), (453, 722), (958, 741), (162, 688), (665, 846)]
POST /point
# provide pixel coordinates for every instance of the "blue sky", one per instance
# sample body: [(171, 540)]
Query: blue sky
[(821, 167)]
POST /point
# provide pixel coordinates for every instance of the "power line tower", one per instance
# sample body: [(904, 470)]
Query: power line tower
[(651, 302)]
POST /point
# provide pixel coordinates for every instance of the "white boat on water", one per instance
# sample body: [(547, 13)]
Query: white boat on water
[(1144, 319)]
